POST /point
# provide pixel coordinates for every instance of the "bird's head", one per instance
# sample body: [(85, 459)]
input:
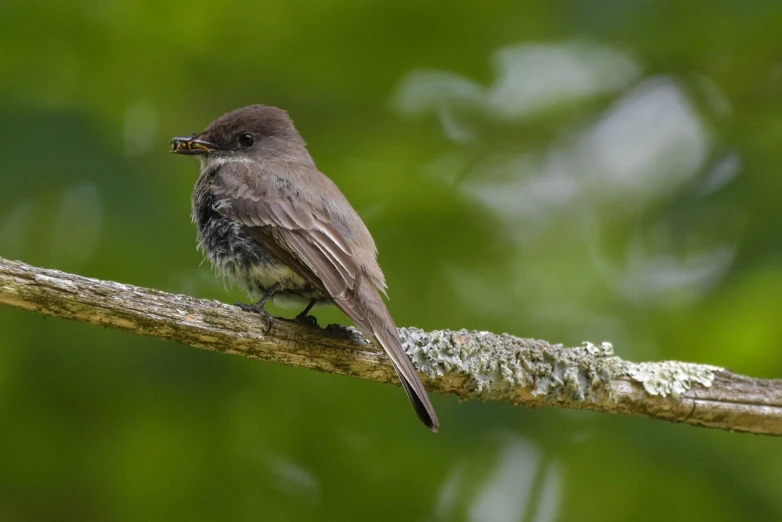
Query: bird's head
[(252, 132)]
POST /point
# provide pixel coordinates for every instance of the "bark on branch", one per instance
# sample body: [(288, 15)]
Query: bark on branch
[(469, 364)]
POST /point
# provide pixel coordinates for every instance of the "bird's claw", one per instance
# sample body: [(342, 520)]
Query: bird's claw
[(257, 308), (309, 320)]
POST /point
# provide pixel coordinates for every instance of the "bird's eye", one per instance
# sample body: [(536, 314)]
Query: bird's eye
[(246, 140)]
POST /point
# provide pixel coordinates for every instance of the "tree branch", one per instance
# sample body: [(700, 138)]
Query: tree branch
[(478, 365)]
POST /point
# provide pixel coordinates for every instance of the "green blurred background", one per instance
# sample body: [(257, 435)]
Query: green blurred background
[(580, 170)]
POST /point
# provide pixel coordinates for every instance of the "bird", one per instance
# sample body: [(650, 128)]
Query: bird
[(267, 219)]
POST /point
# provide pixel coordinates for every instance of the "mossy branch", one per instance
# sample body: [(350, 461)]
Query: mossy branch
[(478, 365)]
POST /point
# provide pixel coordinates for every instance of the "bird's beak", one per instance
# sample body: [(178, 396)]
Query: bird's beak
[(192, 146)]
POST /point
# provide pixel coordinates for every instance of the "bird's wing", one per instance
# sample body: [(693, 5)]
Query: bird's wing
[(306, 239), (300, 236)]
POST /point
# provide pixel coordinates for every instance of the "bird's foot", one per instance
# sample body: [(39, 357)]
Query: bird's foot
[(309, 320), (258, 308)]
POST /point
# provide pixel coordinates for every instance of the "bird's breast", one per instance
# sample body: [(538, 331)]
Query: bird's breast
[(235, 255)]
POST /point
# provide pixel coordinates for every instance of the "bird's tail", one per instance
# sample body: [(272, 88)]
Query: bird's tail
[(379, 324)]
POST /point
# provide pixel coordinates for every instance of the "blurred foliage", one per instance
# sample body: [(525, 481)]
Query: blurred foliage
[(576, 170)]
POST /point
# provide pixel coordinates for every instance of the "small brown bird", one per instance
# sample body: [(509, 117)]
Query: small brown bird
[(270, 221)]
